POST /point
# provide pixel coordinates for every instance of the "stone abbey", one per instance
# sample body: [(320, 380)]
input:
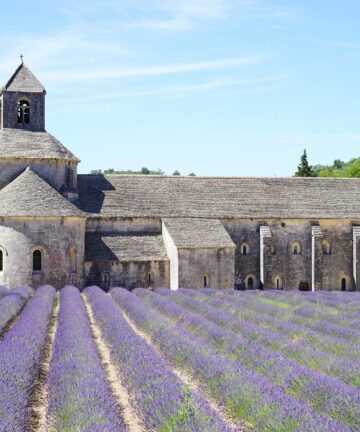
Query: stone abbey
[(58, 227)]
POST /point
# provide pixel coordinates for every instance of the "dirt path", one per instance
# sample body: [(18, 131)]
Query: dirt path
[(121, 394), (189, 381), (39, 397)]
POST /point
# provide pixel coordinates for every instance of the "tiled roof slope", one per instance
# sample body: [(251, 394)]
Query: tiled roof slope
[(30, 195), (198, 233), (124, 248), (23, 80), (16, 143), (216, 197)]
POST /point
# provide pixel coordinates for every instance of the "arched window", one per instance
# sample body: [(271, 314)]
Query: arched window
[(326, 247), (278, 283), (206, 281), (37, 258), (296, 248), (23, 112), (343, 284), (1, 260), (73, 259), (245, 249)]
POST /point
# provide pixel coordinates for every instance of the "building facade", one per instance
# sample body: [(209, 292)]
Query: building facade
[(58, 227)]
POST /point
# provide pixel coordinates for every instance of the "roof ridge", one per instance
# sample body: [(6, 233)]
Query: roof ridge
[(26, 83), (30, 195)]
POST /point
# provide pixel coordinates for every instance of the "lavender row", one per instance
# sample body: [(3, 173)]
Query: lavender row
[(11, 304), (342, 400), (245, 395), (78, 388), (307, 317), (20, 355), (160, 398), (295, 348), (321, 335)]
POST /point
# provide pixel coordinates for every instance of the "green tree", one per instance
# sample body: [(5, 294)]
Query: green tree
[(176, 173), (304, 169), (145, 171)]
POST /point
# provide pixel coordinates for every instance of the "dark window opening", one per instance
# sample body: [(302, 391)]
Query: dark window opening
[(304, 286), (23, 112), (206, 281), (1, 261), (343, 284), (106, 279), (295, 250), (250, 283), (37, 260)]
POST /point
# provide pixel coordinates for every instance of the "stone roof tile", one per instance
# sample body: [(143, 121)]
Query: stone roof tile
[(198, 233), (30, 195), (124, 248), (16, 143), (220, 197), (23, 80)]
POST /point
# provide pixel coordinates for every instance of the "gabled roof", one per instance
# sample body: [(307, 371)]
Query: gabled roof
[(30, 195), (220, 197), (23, 80), (17, 143), (124, 248), (198, 233)]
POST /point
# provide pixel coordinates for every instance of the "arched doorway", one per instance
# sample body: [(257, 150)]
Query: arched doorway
[(343, 284), (304, 286), (250, 282)]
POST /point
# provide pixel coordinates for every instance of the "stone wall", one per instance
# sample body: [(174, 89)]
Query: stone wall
[(312, 264), (19, 237), (174, 258), (128, 274), (56, 172), (216, 264), (124, 225)]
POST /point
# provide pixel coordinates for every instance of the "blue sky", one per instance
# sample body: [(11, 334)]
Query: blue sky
[(215, 87)]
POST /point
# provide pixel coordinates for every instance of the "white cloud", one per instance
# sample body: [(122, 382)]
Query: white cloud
[(121, 72)]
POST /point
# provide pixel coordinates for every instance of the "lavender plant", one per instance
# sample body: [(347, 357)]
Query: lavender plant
[(20, 355), (79, 392), (296, 347), (162, 401), (242, 393), (11, 304), (326, 394)]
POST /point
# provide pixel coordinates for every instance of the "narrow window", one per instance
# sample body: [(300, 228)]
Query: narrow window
[(149, 278), (1, 261), (296, 248), (245, 249), (23, 112), (73, 259), (106, 279), (326, 247), (343, 284), (37, 260), (206, 281)]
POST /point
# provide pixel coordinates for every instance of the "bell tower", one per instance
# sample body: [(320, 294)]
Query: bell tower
[(22, 102)]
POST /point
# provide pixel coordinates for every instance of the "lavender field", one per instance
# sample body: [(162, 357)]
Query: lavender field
[(190, 360)]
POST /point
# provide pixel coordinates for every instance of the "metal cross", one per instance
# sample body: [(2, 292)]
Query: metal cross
[(22, 59)]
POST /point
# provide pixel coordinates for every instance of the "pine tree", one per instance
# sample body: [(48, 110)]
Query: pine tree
[(304, 169)]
